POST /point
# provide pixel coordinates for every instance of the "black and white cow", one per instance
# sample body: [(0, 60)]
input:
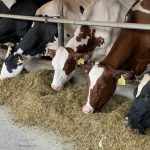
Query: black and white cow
[(138, 117), (40, 38), (12, 30)]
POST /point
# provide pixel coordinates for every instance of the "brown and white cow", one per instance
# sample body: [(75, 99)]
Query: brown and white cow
[(88, 41), (130, 52)]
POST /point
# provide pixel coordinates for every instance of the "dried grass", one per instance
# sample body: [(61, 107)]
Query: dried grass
[(33, 102)]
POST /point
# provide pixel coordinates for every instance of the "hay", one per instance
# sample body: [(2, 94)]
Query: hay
[(33, 102)]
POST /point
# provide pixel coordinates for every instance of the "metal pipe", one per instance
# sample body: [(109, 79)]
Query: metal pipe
[(60, 25), (80, 22)]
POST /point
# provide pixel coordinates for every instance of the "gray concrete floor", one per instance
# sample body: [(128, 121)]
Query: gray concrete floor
[(16, 137)]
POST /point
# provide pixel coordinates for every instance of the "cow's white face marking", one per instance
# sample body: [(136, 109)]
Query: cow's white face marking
[(140, 8), (94, 75), (58, 62), (144, 81)]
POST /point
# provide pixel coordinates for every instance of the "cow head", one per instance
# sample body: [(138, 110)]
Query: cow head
[(102, 85), (103, 79), (64, 64), (138, 117), (83, 42), (13, 64)]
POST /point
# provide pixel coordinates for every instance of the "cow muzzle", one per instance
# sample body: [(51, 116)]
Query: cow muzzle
[(56, 88), (87, 109)]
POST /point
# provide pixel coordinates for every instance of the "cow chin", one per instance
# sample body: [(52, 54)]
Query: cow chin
[(58, 84)]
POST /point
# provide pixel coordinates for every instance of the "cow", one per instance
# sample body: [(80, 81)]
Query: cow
[(41, 37), (138, 116), (130, 52), (89, 43), (13, 30)]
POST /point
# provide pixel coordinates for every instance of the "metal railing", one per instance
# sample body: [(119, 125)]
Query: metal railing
[(62, 21), (80, 22)]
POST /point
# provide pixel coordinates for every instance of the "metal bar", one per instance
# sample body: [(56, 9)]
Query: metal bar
[(60, 25), (80, 22)]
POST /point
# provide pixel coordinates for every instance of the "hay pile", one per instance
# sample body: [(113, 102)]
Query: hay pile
[(33, 102)]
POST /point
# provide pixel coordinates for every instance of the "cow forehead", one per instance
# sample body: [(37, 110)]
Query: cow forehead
[(94, 74), (60, 57)]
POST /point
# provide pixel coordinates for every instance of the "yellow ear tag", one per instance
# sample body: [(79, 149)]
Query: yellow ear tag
[(122, 80), (81, 61)]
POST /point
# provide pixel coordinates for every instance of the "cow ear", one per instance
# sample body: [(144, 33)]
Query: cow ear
[(127, 74), (81, 9)]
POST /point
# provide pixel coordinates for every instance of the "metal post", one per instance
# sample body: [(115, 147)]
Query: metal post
[(60, 25)]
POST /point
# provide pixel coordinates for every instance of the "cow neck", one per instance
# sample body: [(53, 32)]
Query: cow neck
[(83, 43), (134, 55), (123, 51), (113, 60), (84, 40)]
